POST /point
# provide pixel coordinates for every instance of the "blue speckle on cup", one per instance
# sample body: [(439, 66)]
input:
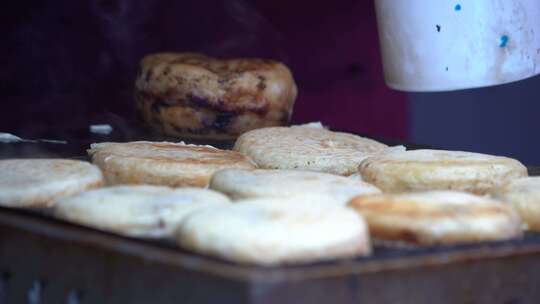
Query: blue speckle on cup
[(457, 8), (504, 41)]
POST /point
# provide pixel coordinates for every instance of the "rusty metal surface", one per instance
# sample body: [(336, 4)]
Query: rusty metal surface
[(43, 260), (57, 261)]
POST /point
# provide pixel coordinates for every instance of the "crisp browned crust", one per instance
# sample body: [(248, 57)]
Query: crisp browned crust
[(524, 195), (421, 170), (437, 217), (188, 94), (163, 163)]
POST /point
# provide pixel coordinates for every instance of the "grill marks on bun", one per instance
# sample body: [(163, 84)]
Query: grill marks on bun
[(437, 217), (163, 163)]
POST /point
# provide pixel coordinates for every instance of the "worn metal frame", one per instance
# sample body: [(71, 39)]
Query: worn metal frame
[(44, 260)]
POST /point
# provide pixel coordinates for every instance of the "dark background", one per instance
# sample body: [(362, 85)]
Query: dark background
[(67, 64)]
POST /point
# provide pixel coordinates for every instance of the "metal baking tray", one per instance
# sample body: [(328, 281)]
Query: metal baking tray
[(44, 260)]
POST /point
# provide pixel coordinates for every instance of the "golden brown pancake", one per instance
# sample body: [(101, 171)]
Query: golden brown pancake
[(163, 163), (437, 217), (420, 170), (524, 195)]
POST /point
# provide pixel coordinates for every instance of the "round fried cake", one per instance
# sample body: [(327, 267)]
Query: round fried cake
[(307, 148), (163, 163), (524, 195), (137, 210), (197, 96), (276, 231), (242, 184), (437, 217), (417, 170), (38, 182)]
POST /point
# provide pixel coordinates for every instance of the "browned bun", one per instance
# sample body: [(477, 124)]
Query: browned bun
[(163, 163), (437, 217), (196, 96)]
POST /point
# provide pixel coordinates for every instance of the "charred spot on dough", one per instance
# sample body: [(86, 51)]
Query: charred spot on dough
[(183, 130), (259, 110), (198, 131), (207, 121), (221, 104), (149, 74), (227, 78), (158, 104), (167, 70), (267, 61), (140, 97), (223, 120), (409, 237), (199, 101), (178, 129), (262, 83), (179, 80)]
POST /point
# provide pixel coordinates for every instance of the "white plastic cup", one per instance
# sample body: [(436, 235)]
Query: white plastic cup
[(442, 45)]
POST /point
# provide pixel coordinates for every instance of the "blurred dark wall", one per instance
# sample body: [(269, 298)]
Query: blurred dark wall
[(71, 63), (501, 120)]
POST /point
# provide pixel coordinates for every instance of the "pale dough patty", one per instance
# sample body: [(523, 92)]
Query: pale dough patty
[(38, 182), (307, 148), (276, 231), (193, 95), (439, 170), (524, 195), (437, 217), (140, 210), (163, 163), (242, 184)]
